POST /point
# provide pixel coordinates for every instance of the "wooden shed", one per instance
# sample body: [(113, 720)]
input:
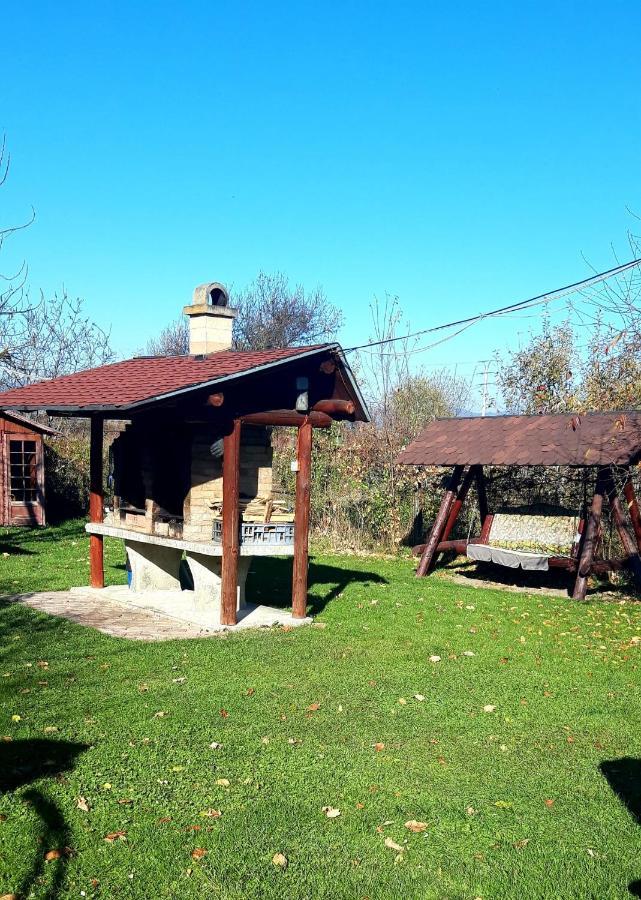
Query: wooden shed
[(605, 445), (192, 467), (22, 483)]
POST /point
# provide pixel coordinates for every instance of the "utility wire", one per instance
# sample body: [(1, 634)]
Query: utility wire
[(462, 324)]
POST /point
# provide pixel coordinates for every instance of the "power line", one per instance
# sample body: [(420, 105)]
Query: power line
[(462, 324)]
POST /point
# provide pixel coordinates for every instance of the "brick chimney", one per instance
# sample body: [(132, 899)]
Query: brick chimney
[(210, 319)]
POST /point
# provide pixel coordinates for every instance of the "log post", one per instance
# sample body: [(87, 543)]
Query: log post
[(440, 522), (301, 520), (96, 555), (590, 534), (231, 522), (633, 508), (458, 504), (629, 543)]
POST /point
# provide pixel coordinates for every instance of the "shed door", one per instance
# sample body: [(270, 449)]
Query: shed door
[(26, 488)]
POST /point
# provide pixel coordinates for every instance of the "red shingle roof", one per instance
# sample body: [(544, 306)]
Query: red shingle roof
[(134, 381), (591, 439)]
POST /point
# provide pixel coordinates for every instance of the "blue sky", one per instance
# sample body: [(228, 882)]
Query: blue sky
[(461, 155)]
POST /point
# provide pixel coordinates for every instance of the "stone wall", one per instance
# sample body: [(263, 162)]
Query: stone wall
[(207, 478)]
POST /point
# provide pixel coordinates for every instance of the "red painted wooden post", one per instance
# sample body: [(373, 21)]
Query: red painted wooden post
[(586, 555), (482, 494), (301, 521), (629, 542), (633, 507), (231, 522), (458, 504), (441, 520), (96, 559)]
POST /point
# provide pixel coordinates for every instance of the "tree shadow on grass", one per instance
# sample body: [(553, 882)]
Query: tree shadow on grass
[(270, 582), (21, 763), (624, 777)]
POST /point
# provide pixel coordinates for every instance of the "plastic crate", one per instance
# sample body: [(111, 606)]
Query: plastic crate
[(273, 534)]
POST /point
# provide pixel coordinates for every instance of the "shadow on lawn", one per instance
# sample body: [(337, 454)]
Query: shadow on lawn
[(270, 582), (21, 763), (624, 777)]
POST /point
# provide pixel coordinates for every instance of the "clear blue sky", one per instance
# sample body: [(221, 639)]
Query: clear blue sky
[(462, 155)]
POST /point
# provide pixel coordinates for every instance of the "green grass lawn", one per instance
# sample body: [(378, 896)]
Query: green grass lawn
[(507, 723)]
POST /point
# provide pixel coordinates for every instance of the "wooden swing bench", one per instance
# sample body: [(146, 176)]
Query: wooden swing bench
[(608, 442)]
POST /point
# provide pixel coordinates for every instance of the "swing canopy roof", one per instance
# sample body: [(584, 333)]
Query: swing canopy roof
[(588, 439)]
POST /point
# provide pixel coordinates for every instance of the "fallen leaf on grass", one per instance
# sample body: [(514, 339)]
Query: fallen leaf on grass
[(198, 853), (16, 718), (549, 803), (53, 854), (313, 707), (419, 697), (331, 812), (402, 701), (215, 745), (222, 782), (503, 804), (279, 859), (489, 708), (379, 746), (9, 896), (50, 729), (415, 826), (224, 714), (434, 658), (468, 653), (161, 714), (83, 804), (164, 820), (522, 843), (392, 845), (116, 836), (125, 801), (211, 813)]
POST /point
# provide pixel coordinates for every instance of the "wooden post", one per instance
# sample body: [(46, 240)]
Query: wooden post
[(231, 522), (440, 523), (633, 507), (458, 504), (96, 557), (590, 535), (301, 520), (629, 542)]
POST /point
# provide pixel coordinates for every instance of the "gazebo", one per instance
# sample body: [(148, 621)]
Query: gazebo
[(608, 444), (192, 466)]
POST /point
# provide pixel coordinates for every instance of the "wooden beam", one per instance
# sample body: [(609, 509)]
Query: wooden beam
[(231, 522), (335, 407), (96, 500), (288, 417), (215, 400), (629, 542), (485, 530), (301, 521), (438, 526), (633, 508), (458, 504), (590, 535)]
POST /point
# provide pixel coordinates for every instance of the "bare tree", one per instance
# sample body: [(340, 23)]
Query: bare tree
[(42, 338), (173, 340), (270, 314), (273, 314)]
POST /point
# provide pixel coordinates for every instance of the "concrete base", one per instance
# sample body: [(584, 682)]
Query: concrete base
[(181, 606), (153, 568), (206, 572)]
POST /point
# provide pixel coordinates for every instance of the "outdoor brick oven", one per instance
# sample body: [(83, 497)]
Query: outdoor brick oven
[(191, 469)]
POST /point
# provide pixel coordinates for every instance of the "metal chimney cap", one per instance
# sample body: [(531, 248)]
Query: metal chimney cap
[(211, 294)]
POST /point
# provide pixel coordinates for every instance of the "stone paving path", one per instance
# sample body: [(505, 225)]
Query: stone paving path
[(110, 617)]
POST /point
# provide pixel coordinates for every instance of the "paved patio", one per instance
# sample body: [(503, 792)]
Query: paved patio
[(109, 612)]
